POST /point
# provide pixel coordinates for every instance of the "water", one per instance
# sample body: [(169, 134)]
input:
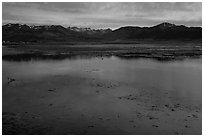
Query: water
[(183, 78), (82, 92)]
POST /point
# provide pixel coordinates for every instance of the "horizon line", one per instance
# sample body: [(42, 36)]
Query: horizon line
[(36, 24)]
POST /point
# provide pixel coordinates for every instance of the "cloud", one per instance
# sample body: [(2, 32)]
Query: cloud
[(103, 15)]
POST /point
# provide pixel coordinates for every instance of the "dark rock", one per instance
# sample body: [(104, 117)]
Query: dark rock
[(11, 80), (195, 116), (166, 106), (155, 126)]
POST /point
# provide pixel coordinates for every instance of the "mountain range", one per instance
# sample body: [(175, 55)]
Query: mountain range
[(57, 33)]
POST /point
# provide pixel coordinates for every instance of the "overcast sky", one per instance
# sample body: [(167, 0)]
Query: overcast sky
[(102, 15)]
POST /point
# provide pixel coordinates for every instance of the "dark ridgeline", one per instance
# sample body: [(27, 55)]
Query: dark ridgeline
[(57, 33)]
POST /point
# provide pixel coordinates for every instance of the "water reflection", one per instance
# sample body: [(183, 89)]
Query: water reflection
[(182, 78), (29, 57), (129, 56)]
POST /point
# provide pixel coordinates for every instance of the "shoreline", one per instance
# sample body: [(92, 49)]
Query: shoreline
[(162, 52)]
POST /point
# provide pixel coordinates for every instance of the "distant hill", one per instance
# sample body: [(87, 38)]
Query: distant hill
[(57, 33), (165, 31)]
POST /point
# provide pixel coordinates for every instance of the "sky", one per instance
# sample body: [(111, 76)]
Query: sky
[(100, 15)]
